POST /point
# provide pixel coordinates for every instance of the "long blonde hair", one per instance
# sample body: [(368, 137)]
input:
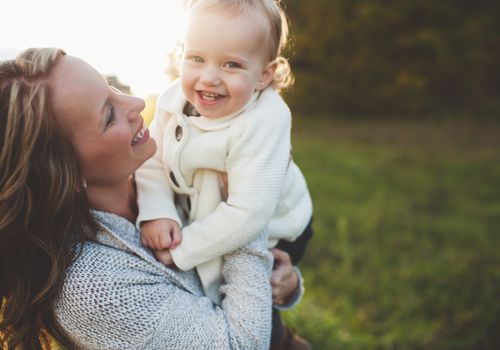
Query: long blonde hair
[(43, 210), (278, 35)]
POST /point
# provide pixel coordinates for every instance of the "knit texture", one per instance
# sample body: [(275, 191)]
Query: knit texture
[(117, 296), (266, 190)]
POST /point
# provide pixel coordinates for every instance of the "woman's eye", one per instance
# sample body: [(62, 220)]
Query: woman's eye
[(116, 90), (232, 65), (110, 117)]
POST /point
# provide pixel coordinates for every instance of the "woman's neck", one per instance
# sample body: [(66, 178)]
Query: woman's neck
[(120, 199)]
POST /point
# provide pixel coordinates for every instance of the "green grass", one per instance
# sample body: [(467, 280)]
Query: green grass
[(406, 253)]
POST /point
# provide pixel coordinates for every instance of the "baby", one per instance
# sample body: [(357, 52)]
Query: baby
[(223, 136)]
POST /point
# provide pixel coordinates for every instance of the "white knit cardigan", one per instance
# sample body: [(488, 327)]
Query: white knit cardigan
[(252, 146), (117, 296)]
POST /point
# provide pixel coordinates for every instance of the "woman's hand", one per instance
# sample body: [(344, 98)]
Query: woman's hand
[(284, 280)]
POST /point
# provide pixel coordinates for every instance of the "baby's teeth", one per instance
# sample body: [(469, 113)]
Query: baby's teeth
[(209, 95)]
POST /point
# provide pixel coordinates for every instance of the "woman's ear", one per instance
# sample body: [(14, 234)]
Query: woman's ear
[(267, 75)]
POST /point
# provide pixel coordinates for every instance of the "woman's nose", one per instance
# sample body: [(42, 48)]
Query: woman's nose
[(135, 105)]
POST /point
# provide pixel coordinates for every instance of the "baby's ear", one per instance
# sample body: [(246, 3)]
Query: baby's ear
[(267, 75)]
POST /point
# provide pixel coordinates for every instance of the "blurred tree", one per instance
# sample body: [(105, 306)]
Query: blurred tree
[(149, 110), (372, 57)]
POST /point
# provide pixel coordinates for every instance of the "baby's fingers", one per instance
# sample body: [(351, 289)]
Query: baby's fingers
[(146, 241), (163, 241), (176, 237), (164, 257)]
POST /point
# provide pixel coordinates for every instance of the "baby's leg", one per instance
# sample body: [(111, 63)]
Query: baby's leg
[(278, 330), (297, 248)]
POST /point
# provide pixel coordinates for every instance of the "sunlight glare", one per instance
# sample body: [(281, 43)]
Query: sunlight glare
[(129, 39)]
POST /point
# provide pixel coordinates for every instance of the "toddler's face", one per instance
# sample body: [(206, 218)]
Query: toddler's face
[(225, 60)]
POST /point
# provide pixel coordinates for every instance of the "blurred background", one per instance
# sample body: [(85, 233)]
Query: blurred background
[(396, 126), (396, 111)]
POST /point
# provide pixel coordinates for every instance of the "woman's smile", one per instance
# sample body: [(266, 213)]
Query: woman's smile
[(141, 136)]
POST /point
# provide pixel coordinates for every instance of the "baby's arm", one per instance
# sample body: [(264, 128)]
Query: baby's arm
[(256, 167), (158, 219), (154, 194)]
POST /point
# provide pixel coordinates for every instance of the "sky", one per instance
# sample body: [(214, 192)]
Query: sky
[(126, 38)]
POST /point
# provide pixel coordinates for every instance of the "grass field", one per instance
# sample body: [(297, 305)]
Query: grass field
[(406, 253)]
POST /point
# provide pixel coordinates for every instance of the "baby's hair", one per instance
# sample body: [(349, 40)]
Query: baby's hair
[(278, 36)]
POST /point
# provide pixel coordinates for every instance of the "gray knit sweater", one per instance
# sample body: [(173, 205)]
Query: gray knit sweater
[(117, 296)]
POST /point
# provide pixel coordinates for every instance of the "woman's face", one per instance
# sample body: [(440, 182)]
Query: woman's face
[(105, 126)]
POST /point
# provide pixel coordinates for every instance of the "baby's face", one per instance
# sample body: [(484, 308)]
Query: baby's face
[(225, 60)]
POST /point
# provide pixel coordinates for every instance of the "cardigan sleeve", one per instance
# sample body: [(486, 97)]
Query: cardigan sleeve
[(256, 167), (114, 300), (155, 197)]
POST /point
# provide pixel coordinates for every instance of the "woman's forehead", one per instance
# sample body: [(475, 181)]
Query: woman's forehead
[(77, 89), (73, 75), (74, 78)]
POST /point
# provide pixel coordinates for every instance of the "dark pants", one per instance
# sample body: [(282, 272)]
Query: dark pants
[(296, 251)]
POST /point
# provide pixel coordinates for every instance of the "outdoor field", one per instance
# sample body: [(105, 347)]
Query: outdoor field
[(407, 240)]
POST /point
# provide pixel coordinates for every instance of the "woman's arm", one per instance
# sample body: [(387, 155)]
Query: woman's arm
[(155, 198), (113, 299)]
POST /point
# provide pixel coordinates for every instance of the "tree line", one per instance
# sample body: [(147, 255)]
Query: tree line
[(400, 58)]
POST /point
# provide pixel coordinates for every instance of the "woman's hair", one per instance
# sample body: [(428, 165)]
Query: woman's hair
[(43, 209), (277, 37)]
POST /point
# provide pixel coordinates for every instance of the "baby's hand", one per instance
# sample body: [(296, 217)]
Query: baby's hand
[(161, 234), (164, 257)]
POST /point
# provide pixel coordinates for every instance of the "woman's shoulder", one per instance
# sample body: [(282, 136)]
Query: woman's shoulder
[(118, 254), (110, 297), (100, 267)]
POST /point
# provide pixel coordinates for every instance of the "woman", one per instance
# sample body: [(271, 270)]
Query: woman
[(71, 264)]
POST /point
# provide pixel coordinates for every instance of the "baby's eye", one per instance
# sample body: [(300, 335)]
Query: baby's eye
[(196, 59), (232, 65)]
